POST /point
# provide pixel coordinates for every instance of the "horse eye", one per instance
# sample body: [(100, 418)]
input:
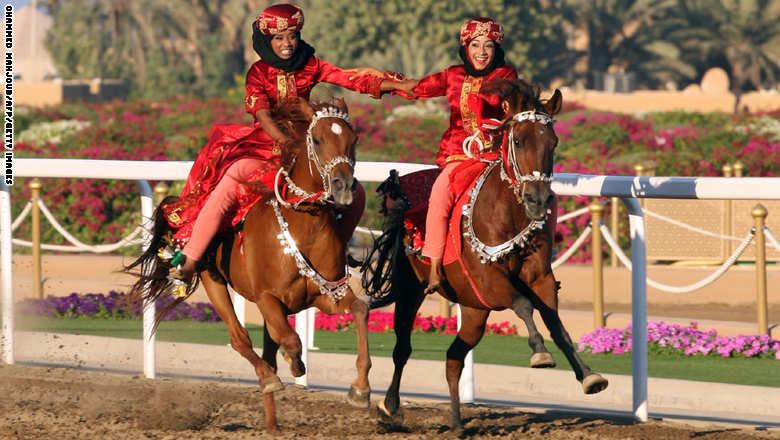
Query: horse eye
[(517, 142), (316, 141)]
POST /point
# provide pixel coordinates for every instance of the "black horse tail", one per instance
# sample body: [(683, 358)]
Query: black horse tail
[(381, 267), (153, 281)]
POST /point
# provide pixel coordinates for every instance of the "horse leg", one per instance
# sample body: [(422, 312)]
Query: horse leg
[(410, 297), (239, 336), (545, 287), (471, 331), (541, 357), (282, 333), (270, 348), (360, 390), (240, 341)]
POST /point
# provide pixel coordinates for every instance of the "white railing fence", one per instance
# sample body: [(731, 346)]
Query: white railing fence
[(626, 188)]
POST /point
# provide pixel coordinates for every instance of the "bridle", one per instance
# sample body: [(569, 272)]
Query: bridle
[(517, 180), (323, 196), (336, 290), (510, 172)]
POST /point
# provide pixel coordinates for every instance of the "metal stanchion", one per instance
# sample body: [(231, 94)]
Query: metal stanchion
[(639, 170), (596, 211), (738, 167), (160, 192), (759, 214), (37, 271)]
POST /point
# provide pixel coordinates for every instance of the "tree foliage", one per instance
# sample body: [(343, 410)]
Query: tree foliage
[(743, 36), (422, 37), (162, 48), (199, 47), (630, 36)]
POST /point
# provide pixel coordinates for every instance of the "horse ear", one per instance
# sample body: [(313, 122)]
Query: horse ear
[(341, 105), (553, 105), (306, 108)]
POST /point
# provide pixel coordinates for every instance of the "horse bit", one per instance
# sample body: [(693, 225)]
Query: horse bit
[(494, 253), (336, 290)]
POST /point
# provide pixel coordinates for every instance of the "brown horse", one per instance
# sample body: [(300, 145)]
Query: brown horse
[(506, 252), (293, 255)]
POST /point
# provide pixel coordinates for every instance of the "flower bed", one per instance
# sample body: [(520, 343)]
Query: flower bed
[(674, 338), (379, 321), (115, 305)]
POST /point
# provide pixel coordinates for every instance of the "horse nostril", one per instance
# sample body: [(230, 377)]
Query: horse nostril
[(338, 184), (549, 200)]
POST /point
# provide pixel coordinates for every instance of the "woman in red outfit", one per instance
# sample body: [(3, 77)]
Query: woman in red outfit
[(483, 61), (287, 69)]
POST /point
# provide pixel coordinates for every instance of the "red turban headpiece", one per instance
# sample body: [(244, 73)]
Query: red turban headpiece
[(481, 27), (279, 18)]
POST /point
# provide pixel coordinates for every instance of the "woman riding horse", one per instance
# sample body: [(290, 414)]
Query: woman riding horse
[(303, 158), (501, 246), (287, 69), (483, 61)]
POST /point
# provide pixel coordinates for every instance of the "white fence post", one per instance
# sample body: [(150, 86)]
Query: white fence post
[(638, 308), (302, 328), (239, 307), (7, 337), (149, 308), (312, 312)]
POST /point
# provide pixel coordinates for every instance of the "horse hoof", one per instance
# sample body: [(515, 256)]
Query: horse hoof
[(271, 384), (297, 367), (594, 383), (542, 360), (274, 432), (387, 417), (358, 398)]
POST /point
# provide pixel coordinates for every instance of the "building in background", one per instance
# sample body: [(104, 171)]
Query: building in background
[(32, 61), (37, 82)]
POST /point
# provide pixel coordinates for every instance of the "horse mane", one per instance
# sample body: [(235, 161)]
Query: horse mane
[(518, 93), (293, 122)]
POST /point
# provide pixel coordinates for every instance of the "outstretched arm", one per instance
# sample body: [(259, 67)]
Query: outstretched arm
[(389, 83)]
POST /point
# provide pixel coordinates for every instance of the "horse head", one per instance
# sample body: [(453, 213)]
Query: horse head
[(330, 149), (530, 142)]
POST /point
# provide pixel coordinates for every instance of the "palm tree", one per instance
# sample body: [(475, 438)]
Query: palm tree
[(741, 35), (628, 35)]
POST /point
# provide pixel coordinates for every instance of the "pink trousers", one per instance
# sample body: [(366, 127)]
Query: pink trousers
[(222, 200), (440, 205)]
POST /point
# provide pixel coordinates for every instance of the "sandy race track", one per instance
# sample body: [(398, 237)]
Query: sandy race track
[(67, 403)]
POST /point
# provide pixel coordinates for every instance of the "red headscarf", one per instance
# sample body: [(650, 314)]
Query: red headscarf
[(481, 27), (279, 18)]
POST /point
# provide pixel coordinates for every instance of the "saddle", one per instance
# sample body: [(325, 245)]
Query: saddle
[(417, 189)]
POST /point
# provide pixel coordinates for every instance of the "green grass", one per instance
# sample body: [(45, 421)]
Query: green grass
[(501, 350)]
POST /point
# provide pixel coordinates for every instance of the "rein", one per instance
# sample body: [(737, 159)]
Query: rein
[(321, 197)]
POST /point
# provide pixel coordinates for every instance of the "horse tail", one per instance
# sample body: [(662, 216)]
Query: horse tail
[(153, 282), (381, 267)]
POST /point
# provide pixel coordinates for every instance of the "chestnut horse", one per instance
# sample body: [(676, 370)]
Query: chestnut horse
[(291, 256), (506, 251)]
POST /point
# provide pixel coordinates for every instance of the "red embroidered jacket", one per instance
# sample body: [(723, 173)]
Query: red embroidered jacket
[(266, 85), (457, 85)]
